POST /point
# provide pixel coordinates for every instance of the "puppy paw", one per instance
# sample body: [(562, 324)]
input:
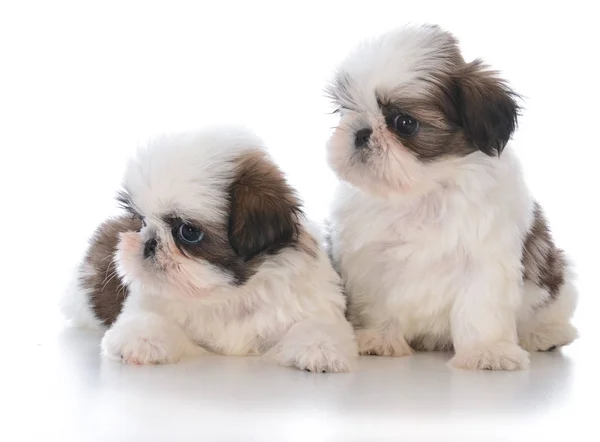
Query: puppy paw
[(549, 337), (320, 360), (374, 342), (316, 358), (140, 351), (499, 356), (140, 343), (316, 347)]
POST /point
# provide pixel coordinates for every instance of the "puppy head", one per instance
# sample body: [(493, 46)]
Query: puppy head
[(213, 207), (410, 106)]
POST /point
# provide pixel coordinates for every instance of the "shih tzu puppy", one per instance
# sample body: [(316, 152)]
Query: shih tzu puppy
[(214, 254), (433, 230)]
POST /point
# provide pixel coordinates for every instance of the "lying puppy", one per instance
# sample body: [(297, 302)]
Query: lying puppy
[(434, 232), (215, 254)]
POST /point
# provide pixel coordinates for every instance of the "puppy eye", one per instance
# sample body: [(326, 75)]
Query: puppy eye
[(405, 125), (190, 234)]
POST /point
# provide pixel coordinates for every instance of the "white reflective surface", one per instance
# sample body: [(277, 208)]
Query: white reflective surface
[(61, 389)]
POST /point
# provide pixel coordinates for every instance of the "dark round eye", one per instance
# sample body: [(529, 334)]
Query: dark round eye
[(406, 125), (190, 234)]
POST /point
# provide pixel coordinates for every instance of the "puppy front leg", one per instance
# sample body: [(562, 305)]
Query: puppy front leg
[(483, 320), (315, 346), (387, 339), (143, 335)]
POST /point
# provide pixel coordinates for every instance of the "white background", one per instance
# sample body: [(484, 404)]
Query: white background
[(83, 83)]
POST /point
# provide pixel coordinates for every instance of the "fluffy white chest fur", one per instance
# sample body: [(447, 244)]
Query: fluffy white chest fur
[(441, 267)]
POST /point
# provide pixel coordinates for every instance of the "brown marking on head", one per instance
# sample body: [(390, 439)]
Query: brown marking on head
[(457, 108), (482, 105), (437, 136), (544, 264), (468, 108), (262, 218), (265, 212), (214, 248), (106, 289)]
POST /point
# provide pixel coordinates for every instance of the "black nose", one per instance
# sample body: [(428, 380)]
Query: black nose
[(362, 137), (150, 248)]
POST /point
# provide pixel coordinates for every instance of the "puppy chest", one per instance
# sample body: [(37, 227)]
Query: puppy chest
[(408, 283)]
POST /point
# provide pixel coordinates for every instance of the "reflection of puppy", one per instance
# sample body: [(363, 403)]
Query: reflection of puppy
[(217, 254), (434, 232)]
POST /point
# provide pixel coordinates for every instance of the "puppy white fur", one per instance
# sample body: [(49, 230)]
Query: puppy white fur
[(439, 243), (214, 255)]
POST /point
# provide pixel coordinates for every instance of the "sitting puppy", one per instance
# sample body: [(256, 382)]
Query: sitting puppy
[(434, 232), (216, 255)]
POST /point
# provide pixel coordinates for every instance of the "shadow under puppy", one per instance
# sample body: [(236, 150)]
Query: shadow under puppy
[(214, 254), (436, 236)]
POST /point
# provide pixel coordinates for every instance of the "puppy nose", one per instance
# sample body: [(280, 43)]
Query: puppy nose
[(362, 137), (150, 248)]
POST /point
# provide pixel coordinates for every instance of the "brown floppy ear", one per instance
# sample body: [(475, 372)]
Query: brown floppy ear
[(265, 211), (485, 107)]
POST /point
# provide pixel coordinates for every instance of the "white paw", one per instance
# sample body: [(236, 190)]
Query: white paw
[(498, 356), (320, 360), (316, 347), (140, 343), (549, 337), (375, 342)]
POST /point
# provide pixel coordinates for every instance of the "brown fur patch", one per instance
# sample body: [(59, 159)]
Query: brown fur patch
[(107, 292), (461, 107), (483, 105), (265, 212), (437, 136), (264, 218), (469, 109), (214, 248), (544, 263)]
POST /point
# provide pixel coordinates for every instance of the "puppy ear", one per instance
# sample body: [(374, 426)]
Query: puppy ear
[(486, 108), (265, 211)]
